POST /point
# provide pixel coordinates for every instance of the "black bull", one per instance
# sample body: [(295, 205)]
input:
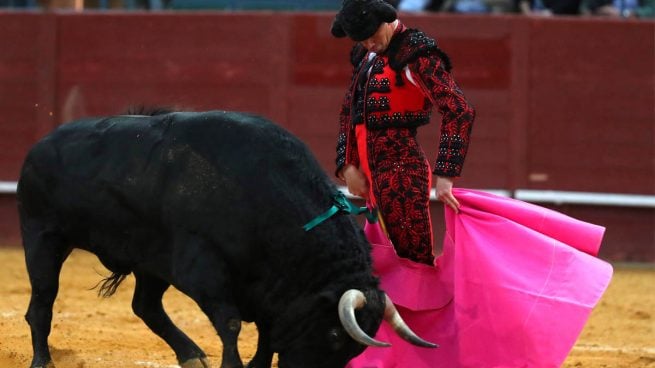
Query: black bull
[(212, 203)]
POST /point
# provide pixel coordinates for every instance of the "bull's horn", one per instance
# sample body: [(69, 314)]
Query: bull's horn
[(350, 300), (392, 317)]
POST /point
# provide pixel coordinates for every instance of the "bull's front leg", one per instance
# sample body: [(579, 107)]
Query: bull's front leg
[(147, 304), (206, 279), (264, 355), (227, 322)]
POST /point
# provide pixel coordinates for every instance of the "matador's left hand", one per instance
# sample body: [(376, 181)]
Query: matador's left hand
[(444, 191)]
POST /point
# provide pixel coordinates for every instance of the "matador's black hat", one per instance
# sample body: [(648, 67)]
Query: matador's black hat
[(360, 19)]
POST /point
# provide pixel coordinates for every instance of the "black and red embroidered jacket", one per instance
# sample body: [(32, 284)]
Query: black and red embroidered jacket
[(398, 89)]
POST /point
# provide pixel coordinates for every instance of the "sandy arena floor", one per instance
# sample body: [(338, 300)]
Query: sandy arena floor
[(93, 332)]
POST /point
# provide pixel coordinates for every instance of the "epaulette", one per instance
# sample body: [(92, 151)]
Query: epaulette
[(412, 44)]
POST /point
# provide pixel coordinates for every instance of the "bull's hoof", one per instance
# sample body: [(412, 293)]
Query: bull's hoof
[(49, 364), (196, 363)]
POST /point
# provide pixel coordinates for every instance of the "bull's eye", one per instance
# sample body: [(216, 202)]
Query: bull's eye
[(335, 338)]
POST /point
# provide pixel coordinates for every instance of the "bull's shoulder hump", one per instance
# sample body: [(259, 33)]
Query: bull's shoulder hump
[(221, 116), (216, 121)]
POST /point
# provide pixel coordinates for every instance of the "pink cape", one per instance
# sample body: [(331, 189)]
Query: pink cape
[(513, 288)]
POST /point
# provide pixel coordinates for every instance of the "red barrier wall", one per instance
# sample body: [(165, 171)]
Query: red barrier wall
[(563, 104)]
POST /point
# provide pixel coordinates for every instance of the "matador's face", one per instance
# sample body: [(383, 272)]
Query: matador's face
[(379, 41)]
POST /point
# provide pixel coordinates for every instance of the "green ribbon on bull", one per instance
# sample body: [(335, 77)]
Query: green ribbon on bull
[(342, 204)]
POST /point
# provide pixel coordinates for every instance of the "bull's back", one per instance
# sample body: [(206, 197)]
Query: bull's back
[(181, 165)]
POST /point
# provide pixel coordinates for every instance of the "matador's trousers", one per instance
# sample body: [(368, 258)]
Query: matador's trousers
[(400, 180)]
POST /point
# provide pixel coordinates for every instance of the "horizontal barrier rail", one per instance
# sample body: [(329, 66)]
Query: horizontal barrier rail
[(563, 197), (8, 187), (592, 199)]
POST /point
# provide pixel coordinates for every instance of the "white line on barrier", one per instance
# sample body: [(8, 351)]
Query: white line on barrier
[(8, 186), (603, 199), (562, 197), (433, 196)]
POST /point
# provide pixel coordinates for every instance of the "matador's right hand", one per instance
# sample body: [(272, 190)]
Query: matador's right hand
[(355, 180)]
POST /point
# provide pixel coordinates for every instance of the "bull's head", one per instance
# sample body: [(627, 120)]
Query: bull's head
[(331, 342), (355, 299)]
